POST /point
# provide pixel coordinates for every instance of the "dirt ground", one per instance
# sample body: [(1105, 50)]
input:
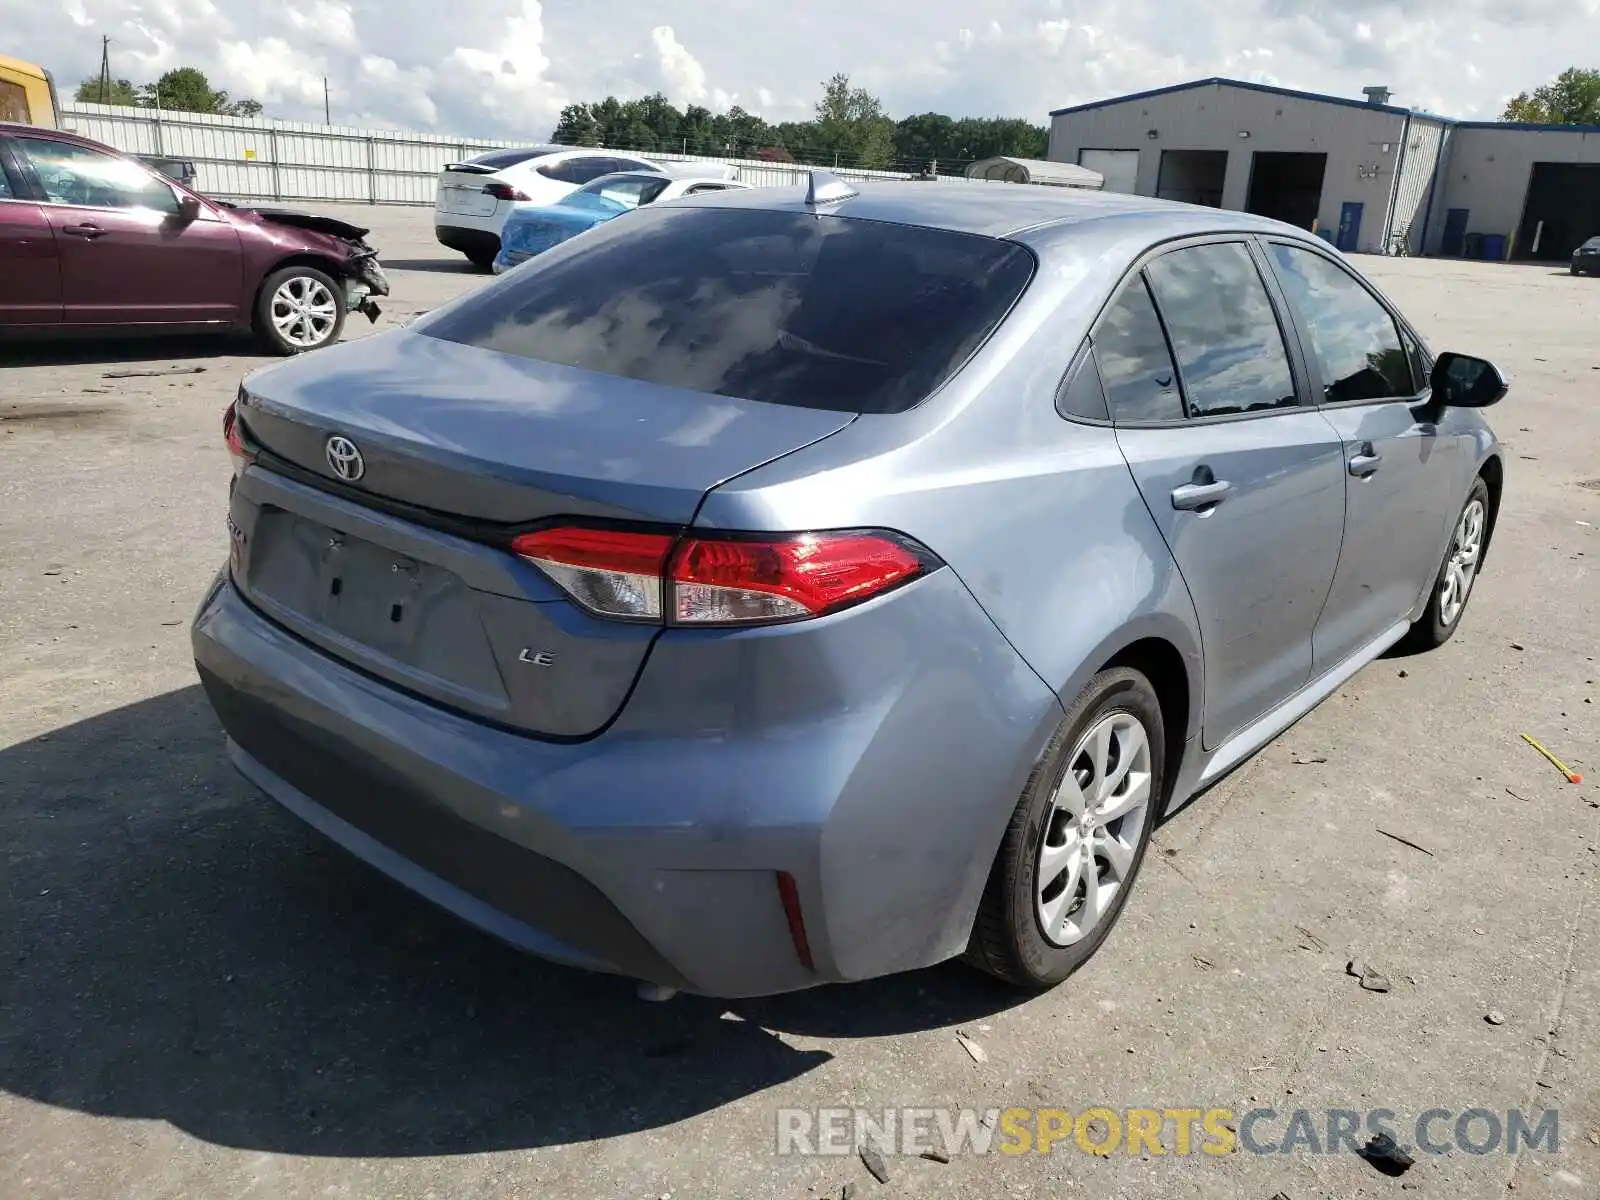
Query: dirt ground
[(200, 998)]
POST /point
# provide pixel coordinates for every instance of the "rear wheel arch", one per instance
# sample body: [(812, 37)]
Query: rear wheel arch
[(1493, 474), (1159, 661)]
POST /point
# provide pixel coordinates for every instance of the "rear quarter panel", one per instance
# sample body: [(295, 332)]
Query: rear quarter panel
[(1038, 516)]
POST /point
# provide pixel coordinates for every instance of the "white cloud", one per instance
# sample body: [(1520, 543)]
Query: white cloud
[(505, 67), (272, 71), (322, 21), (682, 76)]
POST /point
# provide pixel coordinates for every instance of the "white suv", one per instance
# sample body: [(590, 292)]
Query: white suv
[(476, 196)]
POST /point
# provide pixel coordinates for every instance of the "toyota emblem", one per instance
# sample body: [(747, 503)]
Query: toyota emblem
[(345, 459)]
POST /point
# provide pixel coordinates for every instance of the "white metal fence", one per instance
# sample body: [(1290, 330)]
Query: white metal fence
[(243, 158)]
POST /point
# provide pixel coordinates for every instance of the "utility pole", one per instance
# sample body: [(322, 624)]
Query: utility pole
[(327, 113), (105, 69)]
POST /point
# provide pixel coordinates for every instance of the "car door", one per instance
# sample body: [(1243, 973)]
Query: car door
[(1369, 375), (30, 272), (127, 254), (1245, 483)]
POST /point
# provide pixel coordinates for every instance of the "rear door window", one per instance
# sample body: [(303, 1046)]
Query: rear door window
[(1136, 368), (1353, 338), (788, 308), (1224, 332)]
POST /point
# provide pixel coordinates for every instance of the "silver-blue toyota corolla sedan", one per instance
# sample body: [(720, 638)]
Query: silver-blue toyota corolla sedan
[(787, 587)]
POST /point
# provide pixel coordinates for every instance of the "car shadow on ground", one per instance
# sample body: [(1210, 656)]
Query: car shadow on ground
[(119, 353), (174, 947)]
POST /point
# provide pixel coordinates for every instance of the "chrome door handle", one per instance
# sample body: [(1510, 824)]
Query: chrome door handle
[(1365, 463), (1192, 497), (85, 230)]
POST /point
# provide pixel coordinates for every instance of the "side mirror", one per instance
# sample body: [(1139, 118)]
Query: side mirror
[(1462, 381), (188, 206)]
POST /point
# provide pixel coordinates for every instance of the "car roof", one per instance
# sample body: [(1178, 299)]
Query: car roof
[(17, 129), (998, 209)]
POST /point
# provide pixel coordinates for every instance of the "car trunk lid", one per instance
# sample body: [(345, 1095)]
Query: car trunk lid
[(401, 568), (461, 190)]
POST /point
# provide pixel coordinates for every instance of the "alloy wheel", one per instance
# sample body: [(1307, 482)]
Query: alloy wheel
[(1091, 834), (304, 311), (1461, 567)]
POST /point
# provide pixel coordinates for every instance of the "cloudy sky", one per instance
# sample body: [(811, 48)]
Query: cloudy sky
[(505, 67)]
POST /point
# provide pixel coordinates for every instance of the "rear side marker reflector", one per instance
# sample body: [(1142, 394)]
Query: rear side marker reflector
[(789, 893), (725, 580)]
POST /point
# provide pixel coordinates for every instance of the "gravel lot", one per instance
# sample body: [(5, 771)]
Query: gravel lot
[(200, 998)]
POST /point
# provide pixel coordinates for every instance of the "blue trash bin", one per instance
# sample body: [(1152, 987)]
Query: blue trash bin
[(1494, 247)]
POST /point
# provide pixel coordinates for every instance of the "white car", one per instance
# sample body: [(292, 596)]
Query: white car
[(477, 195)]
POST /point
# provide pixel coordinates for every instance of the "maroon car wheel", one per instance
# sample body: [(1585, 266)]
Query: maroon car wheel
[(299, 308)]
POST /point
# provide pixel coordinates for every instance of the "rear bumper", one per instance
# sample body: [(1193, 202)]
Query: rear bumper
[(474, 243), (653, 849)]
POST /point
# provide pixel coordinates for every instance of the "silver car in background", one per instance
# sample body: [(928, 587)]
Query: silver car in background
[(781, 587)]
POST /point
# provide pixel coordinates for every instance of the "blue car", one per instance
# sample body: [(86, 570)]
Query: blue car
[(529, 231), (784, 587)]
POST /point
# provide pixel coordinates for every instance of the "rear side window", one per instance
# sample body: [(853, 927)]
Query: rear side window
[(582, 170), (499, 160), (1135, 365), (788, 308), (1082, 394), (1224, 332), (1353, 337)]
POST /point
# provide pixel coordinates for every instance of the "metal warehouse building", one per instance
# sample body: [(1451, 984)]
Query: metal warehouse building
[(1366, 174)]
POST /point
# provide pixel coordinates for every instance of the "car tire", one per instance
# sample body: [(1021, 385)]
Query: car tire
[(483, 262), (1031, 929), (287, 329), (1447, 602)]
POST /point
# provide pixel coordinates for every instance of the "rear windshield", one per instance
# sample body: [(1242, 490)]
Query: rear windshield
[(501, 159), (789, 308)]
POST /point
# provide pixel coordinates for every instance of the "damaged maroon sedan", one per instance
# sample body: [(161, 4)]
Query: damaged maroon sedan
[(94, 241)]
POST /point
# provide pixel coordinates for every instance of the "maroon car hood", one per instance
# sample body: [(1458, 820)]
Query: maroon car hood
[(312, 222)]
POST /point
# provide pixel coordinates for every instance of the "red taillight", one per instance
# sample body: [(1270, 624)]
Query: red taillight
[(718, 582), (611, 572), (504, 191), (722, 580), (242, 457)]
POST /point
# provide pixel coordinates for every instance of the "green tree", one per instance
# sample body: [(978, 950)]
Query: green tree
[(851, 126), (1571, 98), (577, 126), (743, 133), (186, 89), (118, 91), (924, 138)]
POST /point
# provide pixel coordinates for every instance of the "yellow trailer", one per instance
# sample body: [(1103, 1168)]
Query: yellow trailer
[(27, 93)]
